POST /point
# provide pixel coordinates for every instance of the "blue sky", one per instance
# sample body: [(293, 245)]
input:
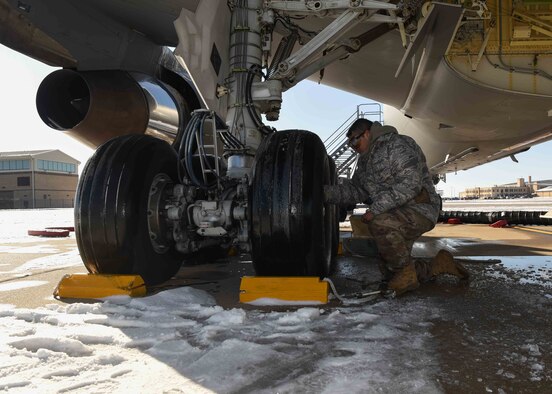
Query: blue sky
[(308, 106)]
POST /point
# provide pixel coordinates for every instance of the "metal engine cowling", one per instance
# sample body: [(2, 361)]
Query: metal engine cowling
[(95, 106)]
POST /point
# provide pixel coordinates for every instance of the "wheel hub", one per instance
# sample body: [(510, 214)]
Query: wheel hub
[(158, 227)]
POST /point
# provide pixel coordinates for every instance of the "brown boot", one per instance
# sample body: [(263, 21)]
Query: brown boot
[(443, 263), (404, 280)]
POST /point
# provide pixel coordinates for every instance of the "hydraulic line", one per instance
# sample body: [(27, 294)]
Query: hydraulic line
[(180, 143), (254, 71), (188, 145), (203, 156)]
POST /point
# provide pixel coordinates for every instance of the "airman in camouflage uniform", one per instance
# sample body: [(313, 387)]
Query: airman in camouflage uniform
[(393, 178)]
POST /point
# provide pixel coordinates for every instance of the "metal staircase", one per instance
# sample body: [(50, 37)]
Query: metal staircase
[(337, 143)]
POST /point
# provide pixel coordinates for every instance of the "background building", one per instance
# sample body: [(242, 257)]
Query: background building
[(37, 179), (520, 188), (545, 192)]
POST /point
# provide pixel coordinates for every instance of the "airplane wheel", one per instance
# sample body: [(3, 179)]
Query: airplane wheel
[(113, 209), (291, 229), (334, 212)]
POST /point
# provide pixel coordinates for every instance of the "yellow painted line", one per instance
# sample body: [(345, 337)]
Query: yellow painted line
[(533, 230)]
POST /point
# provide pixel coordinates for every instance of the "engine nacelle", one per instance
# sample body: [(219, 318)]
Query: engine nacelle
[(95, 106)]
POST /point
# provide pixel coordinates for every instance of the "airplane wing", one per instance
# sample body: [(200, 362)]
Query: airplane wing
[(89, 35), (470, 79)]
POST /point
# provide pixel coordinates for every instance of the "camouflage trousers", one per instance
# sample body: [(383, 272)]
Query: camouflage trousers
[(394, 233)]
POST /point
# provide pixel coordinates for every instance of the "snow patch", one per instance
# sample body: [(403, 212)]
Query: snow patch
[(37, 249), (532, 349), (15, 223), (22, 284), (227, 318), (187, 342), (266, 301), (68, 346), (60, 260)]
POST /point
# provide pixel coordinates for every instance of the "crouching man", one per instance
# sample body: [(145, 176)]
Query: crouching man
[(392, 173)]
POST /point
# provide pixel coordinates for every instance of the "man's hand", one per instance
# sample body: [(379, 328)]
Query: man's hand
[(367, 217)]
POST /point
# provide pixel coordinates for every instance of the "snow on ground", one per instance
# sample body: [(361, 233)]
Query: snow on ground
[(10, 286), (15, 223), (55, 261), (181, 341)]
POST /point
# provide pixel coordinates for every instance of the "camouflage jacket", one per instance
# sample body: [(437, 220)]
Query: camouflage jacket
[(392, 173)]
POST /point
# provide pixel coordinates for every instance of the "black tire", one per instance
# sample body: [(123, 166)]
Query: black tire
[(334, 212), (111, 209), (290, 225)]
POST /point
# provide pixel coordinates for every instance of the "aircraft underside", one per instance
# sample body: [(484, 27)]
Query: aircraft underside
[(186, 167)]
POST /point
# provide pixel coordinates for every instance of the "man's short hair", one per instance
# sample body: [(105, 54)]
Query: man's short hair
[(359, 125)]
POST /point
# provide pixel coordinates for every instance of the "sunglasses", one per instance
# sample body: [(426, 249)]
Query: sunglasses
[(354, 140)]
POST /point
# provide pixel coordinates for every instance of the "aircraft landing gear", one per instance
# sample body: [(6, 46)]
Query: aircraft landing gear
[(113, 209), (291, 227)]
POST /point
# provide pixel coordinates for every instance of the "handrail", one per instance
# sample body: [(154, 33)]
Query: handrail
[(340, 126), (336, 143), (379, 112), (357, 114)]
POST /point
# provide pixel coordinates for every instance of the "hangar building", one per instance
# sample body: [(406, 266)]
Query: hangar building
[(37, 179)]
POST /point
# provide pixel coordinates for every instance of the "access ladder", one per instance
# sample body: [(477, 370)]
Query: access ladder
[(344, 156)]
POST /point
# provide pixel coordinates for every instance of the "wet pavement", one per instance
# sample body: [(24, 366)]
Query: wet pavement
[(29, 285), (494, 334), (491, 334)]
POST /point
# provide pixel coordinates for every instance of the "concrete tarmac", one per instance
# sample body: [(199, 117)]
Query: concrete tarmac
[(31, 288), (493, 329)]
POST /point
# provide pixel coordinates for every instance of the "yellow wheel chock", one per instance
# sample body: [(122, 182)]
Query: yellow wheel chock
[(296, 290), (99, 286)]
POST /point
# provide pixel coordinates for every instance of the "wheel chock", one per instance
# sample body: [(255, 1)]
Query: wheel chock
[(283, 290), (99, 286), (499, 224)]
